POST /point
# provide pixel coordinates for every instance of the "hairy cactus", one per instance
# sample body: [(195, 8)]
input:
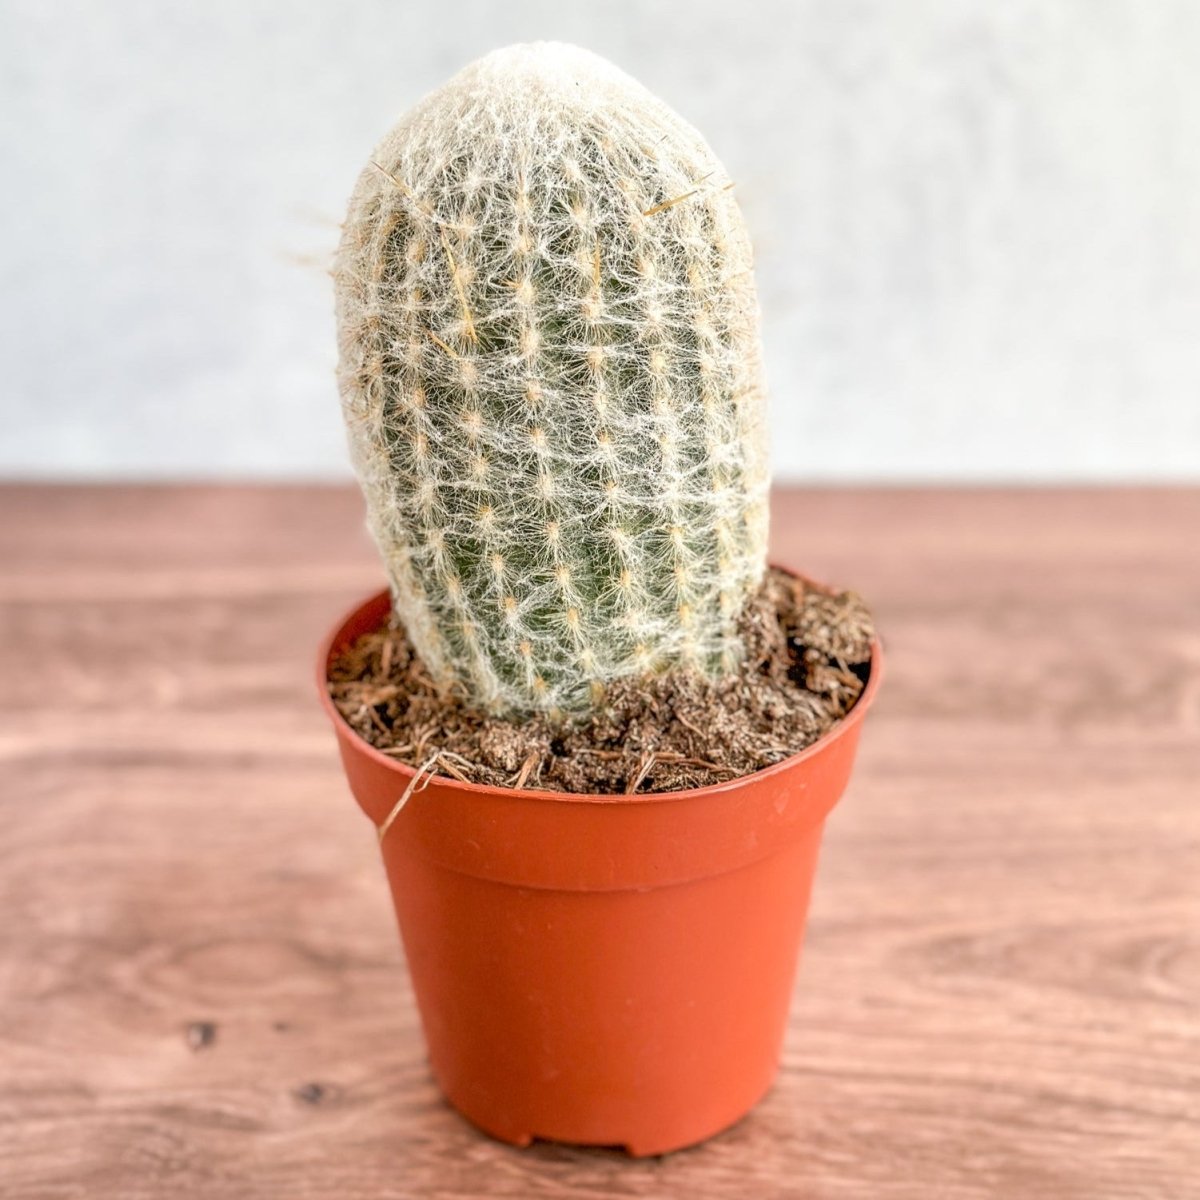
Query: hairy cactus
[(550, 372)]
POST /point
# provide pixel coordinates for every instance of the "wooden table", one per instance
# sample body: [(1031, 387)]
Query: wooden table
[(202, 992)]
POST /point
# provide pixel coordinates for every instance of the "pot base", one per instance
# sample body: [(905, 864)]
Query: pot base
[(649, 1017), (641, 1143)]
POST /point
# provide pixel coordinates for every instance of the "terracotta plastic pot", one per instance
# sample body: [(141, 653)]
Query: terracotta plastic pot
[(606, 970)]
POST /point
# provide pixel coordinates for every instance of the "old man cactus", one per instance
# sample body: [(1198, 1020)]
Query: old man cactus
[(550, 371)]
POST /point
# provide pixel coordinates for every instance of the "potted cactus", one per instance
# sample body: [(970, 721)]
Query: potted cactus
[(550, 372)]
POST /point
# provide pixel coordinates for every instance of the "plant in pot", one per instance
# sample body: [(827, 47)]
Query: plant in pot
[(598, 736)]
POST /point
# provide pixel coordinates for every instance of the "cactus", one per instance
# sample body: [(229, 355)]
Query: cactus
[(550, 373)]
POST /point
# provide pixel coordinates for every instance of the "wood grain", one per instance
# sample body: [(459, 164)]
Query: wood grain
[(202, 992)]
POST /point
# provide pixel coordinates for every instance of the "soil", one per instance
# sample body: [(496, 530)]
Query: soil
[(807, 660)]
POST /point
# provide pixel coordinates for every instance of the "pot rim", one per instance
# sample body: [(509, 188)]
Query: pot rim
[(334, 639)]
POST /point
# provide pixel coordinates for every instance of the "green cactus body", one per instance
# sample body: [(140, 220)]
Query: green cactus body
[(550, 372)]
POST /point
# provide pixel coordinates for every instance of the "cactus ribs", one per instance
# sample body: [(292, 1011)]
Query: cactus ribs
[(550, 373)]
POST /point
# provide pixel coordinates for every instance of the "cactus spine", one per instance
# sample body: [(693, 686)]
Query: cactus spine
[(550, 373)]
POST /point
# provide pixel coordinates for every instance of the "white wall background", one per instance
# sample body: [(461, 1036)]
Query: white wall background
[(977, 224)]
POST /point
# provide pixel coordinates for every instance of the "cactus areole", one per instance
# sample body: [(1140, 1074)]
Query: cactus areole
[(550, 374)]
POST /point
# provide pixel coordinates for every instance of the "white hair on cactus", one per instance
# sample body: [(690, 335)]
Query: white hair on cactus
[(550, 372)]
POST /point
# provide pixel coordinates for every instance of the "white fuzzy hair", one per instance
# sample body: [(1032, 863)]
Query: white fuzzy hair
[(550, 372)]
